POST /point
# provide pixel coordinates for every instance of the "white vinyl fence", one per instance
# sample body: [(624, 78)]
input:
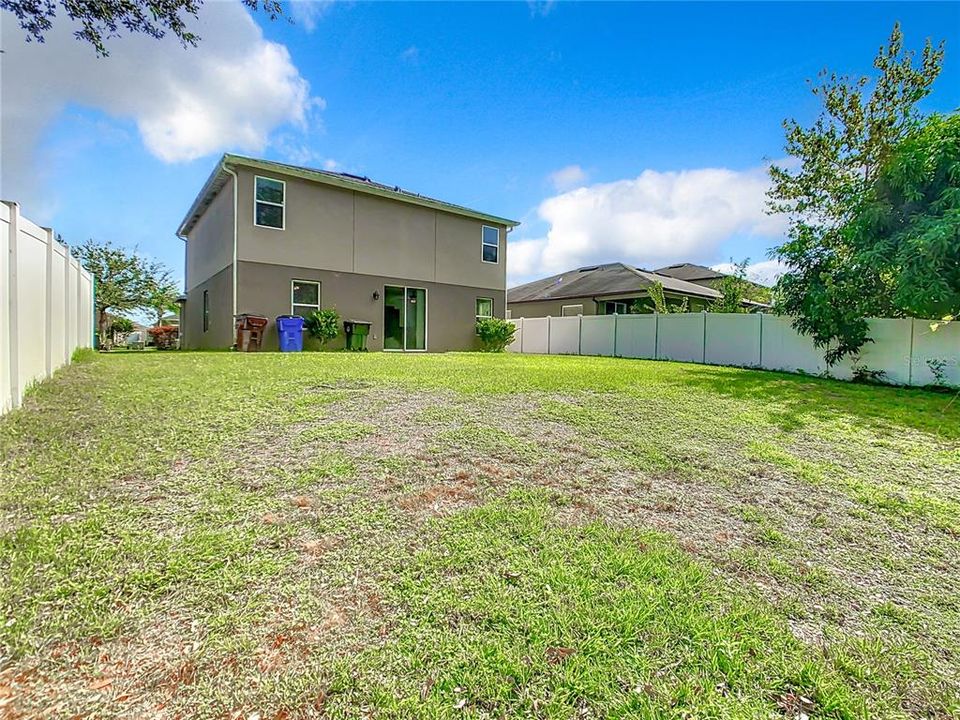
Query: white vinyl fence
[(46, 305), (905, 350)]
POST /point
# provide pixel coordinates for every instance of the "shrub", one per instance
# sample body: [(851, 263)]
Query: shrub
[(495, 334), (324, 325), (863, 374), (121, 325), (164, 336)]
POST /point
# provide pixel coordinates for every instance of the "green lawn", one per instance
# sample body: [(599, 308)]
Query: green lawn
[(465, 536)]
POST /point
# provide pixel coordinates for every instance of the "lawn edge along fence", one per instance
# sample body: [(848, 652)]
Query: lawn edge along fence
[(46, 305), (905, 350)]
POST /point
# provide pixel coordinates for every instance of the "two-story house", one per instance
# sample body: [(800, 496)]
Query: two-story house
[(274, 239)]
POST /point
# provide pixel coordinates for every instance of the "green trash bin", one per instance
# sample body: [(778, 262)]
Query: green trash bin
[(356, 332)]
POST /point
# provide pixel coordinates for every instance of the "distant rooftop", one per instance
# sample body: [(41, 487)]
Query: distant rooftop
[(689, 272), (599, 280), (348, 181)]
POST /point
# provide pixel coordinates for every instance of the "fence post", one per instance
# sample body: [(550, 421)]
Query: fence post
[(910, 364), (703, 354), (48, 316), (13, 321), (548, 336), (79, 314), (615, 321), (521, 336), (579, 334), (761, 339), (66, 308), (656, 336)]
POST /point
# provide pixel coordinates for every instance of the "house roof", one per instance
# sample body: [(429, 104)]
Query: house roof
[(218, 178), (690, 272), (599, 280)]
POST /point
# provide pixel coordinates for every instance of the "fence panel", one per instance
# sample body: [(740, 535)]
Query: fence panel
[(732, 339), (46, 305), (31, 306), (783, 348), (564, 336), (6, 372), (57, 340), (517, 344), (931, 349), (536, 335), (598, 334), (85, 317), (637, 336), (680, 337), (889, 351)]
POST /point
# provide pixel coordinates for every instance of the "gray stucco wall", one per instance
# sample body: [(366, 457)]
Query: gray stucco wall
[(341, 230), (220, 333), (551, 307), (264, 288), (209, 248)]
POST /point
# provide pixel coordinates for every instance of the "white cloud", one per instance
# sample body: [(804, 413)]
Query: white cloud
[(567, 177), (652, 220), (230, 92), (411, 54), (540, 8), (765, 272), (307, 13)]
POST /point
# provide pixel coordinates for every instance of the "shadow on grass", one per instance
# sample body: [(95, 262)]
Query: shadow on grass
[(791, 401)]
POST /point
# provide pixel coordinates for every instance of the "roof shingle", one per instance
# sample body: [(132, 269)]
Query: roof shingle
[(608, 279)]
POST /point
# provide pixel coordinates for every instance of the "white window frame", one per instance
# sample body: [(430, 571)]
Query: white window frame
[(564, 307), (615, 303), (304, 282), (492, 309), (484, 243), (281, 205)]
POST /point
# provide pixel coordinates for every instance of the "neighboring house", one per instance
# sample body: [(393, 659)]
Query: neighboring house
[(604, 290), (708, 277), (274, 239)]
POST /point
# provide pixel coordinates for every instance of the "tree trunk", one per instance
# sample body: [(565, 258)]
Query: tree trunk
[(103, 326)]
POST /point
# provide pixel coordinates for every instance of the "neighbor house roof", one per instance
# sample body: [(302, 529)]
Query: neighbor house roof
[(689, 272), (600, 280), (218, 178)]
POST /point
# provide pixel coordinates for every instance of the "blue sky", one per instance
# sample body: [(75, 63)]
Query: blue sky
[(613, 131)]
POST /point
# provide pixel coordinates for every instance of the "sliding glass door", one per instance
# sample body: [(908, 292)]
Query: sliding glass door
[(404, 318)]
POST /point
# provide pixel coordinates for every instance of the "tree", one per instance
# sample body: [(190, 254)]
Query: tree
[(121, 325), (162, 292), (123, 280), (907, 229), (99, 20), (660, 304), (829, 290), (733, 288)]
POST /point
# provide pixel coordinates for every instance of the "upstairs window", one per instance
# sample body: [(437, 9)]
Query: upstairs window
[(484, 308), (491, 244), (304, 297), (268, 202)]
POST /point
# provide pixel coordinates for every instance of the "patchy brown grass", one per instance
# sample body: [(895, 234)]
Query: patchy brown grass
[(329, 490)]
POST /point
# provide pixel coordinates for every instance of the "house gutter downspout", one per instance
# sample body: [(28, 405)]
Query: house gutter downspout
[(231, 173)]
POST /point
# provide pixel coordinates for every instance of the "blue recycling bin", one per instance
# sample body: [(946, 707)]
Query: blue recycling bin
[(290, 330)]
